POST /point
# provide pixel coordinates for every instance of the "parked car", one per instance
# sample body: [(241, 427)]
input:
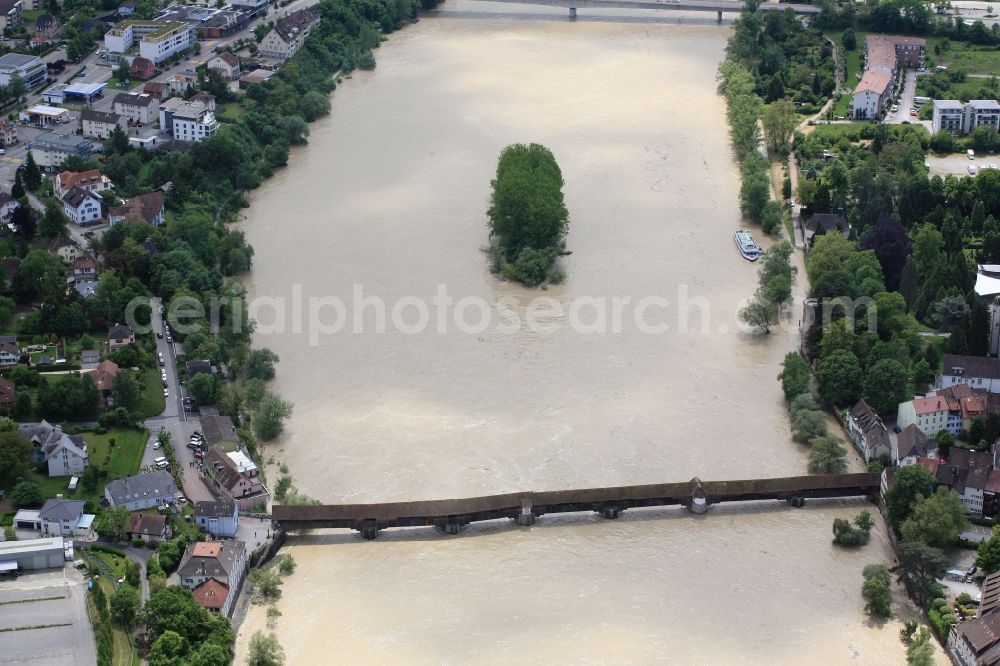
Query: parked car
[(199, 455), (156, 444), (166, 393), (159, 335)]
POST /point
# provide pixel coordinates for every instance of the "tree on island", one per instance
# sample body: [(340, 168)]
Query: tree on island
[(527, 214)]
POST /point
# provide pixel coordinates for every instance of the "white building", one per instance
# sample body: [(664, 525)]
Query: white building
[(975, 371), (137, 108), (957, 118), (10, 13), (57, 517), (867, 431), (99, 124), (158, 40), (83, 207), (50, 150), (928, 414), (31, 69), (187, 121), (289, 34), (66, 455), (143, 491)]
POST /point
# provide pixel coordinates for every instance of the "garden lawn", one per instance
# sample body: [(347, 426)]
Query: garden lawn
[(972, 58), (126, 454), (151, 400)]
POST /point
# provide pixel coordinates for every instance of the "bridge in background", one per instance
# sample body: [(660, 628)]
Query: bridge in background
[(453, 514), (665, 5)]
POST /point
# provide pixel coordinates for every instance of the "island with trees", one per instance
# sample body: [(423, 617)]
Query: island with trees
[(527, 216)]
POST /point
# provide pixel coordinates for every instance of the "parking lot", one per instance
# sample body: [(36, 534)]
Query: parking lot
[(959, 163), (42, 600)]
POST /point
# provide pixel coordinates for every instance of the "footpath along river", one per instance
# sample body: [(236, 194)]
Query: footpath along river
[(389, 198)]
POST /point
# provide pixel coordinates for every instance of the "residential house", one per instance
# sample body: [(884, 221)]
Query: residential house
[(65, 249), (148, 527), (157, 89), (976, 371), (120, 335), (222, 473), (967, 473), (51, 149), (85, 268), (8, 133), (867, 431), (949, 115), (224, 561), (883, 57), (142, 491), (47, 26), (31, 69), (10, 13), (92, 181), (142, 69), (204, 97), (104, 378), (912, 444), (220, 518), (256, 76), (144, 207), (227, 64), (218, 428), (824, 223), (973, 406), (65, 454), (213, 596), (6, 394), (137, 108), (181, 83), (976, 642), (203, 367), (83, 207), (929, 413), (100, 125), (10, 354), (188, 120), (8, 205), (289, 34), (57, 517), (90, 357)]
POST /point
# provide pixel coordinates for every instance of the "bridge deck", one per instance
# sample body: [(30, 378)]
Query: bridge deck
[(368, 518), (668, 5)]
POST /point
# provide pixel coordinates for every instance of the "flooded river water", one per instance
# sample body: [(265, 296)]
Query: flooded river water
[(388, 203)]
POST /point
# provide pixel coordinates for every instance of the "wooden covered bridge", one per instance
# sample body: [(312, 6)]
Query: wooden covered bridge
[(451, 515)]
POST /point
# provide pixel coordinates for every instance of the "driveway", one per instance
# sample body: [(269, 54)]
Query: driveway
[(138, 555), (59, 600)]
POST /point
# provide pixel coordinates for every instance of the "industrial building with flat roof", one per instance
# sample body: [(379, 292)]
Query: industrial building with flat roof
[(32, 554)]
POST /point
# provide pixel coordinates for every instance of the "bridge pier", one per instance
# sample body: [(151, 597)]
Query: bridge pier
[(699, 498), (452, 527), (610, 512), (527, 517), (369, 530), (572, 12), (797, 502), (718, 16)]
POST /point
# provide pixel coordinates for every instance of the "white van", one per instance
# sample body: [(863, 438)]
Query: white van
[(971, 155), (161, 462)]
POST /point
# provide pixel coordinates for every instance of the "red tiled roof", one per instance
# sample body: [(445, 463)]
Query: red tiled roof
[(211, 594)]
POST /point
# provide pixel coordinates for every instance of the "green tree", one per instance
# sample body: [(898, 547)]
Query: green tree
[(125, 390), (117, 142), (202, 388), (759, 313), (26, 493), (17, 189), (826, 455), (849, 40), (265, 651), (988, 558), (846, 535), (266, 583), (269, 417), (32, 174), (124, 603), (260, 364), (111, 522), (839, 378), (920, 566), (526, 205), (937, 520), (885, 385), (53, 222), (15, 458), (864, 522), (920, 652), (210, 654), (794, 375), (168, 650), (909, 483), (779, 119), (875, 590), (808, 424), (41, 276)]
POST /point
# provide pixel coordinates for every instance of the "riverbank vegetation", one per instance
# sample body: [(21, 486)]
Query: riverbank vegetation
[(527, 215)]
